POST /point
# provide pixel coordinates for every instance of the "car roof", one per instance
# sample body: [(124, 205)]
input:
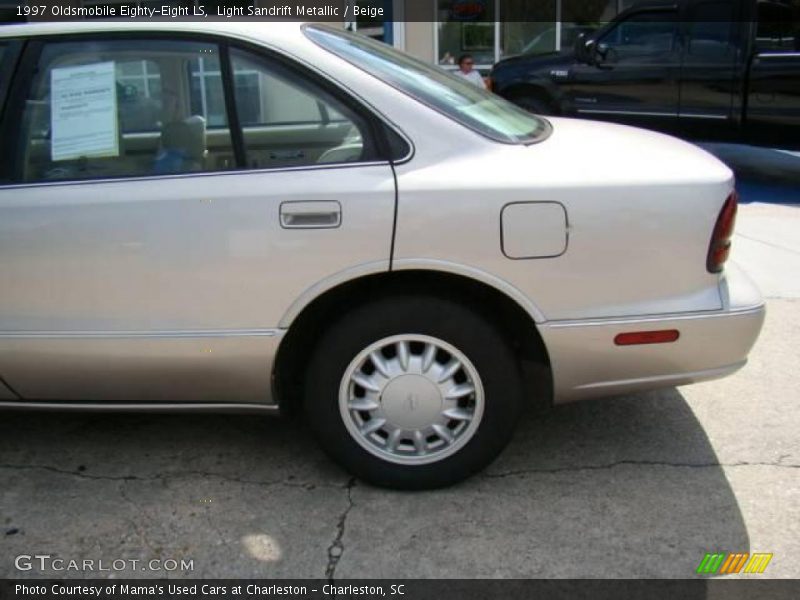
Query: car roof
[(249, 29)]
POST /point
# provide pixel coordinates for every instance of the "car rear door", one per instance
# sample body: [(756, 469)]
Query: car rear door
[(633, 77), (169, 199), (9, 51), (773, 95), (712, 53)]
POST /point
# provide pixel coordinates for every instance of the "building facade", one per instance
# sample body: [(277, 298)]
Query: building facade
[(439, 31)]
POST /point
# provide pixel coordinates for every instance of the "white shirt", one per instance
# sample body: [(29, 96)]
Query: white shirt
[(474, 77)]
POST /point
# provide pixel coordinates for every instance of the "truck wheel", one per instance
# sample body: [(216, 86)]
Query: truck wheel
[(413, 392), (532, 105)]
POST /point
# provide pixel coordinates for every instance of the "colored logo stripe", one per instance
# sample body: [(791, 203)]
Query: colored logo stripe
[(758, 563), (734, 563), (731, 564), (710, 563)]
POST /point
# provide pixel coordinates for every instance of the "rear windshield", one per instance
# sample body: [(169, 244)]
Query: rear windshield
[(453, 96)]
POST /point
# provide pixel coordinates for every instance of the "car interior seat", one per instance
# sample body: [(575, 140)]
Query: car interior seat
[(349, 150), (183, 146)]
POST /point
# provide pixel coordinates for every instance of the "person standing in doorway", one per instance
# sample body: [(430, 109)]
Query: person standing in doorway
[(466, 69)]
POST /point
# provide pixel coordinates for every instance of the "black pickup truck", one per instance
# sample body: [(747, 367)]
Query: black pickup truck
[(714, 69)]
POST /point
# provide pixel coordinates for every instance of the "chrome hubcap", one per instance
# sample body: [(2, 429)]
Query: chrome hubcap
[(411, 399)]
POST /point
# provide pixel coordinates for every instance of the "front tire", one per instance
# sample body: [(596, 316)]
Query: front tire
[(413, 392)]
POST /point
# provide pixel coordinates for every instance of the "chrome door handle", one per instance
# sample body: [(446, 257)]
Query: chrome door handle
[(311, 214)]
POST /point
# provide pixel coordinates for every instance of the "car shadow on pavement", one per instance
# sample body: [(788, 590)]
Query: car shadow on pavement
[(627, 487), (623, 487)]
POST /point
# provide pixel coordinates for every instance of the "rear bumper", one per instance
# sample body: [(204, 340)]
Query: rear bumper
[(586, 363)]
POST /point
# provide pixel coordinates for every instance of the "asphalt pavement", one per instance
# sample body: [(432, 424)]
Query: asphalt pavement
[(637, 486)]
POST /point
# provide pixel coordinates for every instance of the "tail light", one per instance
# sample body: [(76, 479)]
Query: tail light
[(720, 246), (636, 338)]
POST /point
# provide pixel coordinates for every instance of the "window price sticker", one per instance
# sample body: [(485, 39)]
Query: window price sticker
[(84, 112)]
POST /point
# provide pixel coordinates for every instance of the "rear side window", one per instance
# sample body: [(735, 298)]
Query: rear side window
[(6, 67), (711, 30), (778, 27), (266, 97), (9, 51), (642, 35), (452, 96), (288, 121), (141, 95), (121, 108), (4, 73)]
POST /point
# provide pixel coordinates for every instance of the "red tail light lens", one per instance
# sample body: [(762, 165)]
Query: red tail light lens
[(636, 338), (720, 246)]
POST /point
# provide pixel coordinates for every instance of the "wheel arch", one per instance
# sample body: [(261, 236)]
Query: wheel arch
[(514, 314)]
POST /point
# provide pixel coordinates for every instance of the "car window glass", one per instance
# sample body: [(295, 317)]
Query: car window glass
[(641, 35), (711, 30), (452, 96), (778, 27), (4, 73), (289, 121), (140, 97), (123, 108), (206, 95)]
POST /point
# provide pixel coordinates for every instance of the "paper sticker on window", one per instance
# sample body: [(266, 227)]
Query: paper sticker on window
[(84, 112)]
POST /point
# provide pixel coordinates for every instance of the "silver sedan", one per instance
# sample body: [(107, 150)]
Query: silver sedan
[(240, 217)]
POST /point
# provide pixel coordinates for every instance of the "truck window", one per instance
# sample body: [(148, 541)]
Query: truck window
[(711, 29), (778, 26), (642, 34)]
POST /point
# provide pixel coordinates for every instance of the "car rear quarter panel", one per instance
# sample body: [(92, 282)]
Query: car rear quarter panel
[(636, 244), (640, 207)]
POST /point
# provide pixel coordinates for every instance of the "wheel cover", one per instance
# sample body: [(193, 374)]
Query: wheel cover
[(411, 399)]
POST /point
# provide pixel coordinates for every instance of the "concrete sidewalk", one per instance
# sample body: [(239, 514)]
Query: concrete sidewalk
[(767, 245)]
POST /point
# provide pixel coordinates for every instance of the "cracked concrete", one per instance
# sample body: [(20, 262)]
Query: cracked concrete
[(336, 549), (643, 463), (640, 486), (81, 474)]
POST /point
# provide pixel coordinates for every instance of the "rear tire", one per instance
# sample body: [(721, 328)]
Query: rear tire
[(413, 392)]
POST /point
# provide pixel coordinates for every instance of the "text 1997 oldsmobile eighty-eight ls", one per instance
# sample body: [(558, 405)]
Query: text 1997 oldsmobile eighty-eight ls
[(242, 217)]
